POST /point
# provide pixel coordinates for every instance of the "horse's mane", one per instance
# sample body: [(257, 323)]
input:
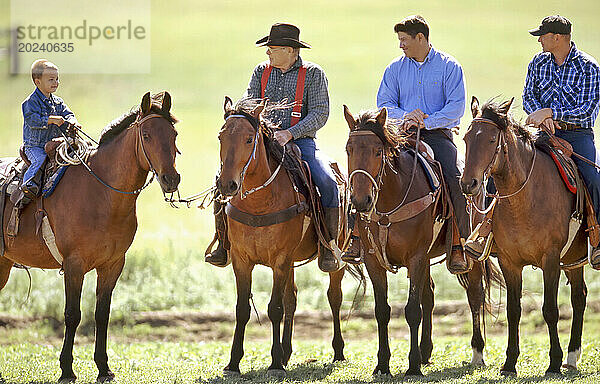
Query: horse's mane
[(493, 110), (391, 133), (115, 127)]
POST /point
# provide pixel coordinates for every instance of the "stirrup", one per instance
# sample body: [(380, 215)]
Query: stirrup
[(353, 254)]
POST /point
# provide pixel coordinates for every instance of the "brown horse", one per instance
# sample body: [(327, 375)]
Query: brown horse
[(94, 225), (530, 222), (382, 170), (250, 157)]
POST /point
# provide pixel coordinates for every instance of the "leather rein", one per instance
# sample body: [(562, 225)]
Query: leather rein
[(269, 218)]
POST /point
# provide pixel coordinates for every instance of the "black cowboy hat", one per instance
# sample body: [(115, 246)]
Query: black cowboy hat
[(553, 24), (285, 35)]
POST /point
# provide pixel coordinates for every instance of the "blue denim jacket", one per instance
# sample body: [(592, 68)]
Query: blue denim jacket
[(36, 110)]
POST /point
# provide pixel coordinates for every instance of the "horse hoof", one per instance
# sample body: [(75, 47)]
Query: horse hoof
[(276, 373), (413, 373), (67, 380), (382, 372), (553, 374), (338, 358), (508, 373), (568, 367), (106, 379), (231, 374)]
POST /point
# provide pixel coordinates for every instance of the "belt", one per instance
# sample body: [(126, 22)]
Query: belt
[(568, 126)]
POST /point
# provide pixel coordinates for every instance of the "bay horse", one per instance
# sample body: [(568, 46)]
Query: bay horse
[(251, 160), (381, 172), (94, 225), (530, 222)]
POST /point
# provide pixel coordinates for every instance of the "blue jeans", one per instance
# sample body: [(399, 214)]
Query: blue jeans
[(321, 173), (582, 141), (36, 155)]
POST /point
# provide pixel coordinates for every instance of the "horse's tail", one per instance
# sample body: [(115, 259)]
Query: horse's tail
[(358, 273), (492, 277)]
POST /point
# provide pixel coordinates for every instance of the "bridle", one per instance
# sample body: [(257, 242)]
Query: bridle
[(244, 194), (501, 146)]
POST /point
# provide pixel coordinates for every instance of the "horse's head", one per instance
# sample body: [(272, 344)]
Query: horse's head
[(239, 138), (156, 150), (368, 146), (485, 140)]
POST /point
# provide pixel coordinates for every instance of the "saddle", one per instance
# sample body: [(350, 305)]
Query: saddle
[(12, 171), (560, 151)]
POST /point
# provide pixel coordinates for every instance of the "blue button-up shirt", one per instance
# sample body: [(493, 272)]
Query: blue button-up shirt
[(282, 86), (36, 110), (436, 87), (571, 90)]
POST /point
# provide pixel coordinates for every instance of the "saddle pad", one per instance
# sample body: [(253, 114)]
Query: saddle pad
[(432, 178), (566, 174), (52, 181)]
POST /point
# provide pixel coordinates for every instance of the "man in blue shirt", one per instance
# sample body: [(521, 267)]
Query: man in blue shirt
[(562, 93), (425, 88)]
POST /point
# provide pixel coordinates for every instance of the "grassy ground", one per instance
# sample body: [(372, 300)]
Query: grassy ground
[(310, 363), (202, 51)]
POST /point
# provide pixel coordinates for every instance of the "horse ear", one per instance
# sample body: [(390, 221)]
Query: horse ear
[(146, 104), (166, 103), (382, 116), (349, 118), (475, 107), (228, 104), (258, 109), (505, 107)]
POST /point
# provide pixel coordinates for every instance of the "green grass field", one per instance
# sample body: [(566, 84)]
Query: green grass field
[(204, 50)]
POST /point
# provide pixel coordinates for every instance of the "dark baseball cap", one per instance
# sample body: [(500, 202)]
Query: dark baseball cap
[(553, 24)]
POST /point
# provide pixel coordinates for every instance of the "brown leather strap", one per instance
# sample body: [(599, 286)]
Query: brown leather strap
[(2, 202), (407, 211), (268, 219)]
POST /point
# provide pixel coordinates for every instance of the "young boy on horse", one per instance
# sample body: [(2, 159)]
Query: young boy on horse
[(43, 116), (286, 77)]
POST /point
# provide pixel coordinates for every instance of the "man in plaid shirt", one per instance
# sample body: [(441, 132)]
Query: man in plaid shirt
[(562, 93), (284, 67)]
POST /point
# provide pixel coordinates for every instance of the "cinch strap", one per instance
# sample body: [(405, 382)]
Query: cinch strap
[(296, 111)]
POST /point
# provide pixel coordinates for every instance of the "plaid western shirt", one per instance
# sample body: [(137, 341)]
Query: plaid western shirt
[(282, 86), (571, 90)]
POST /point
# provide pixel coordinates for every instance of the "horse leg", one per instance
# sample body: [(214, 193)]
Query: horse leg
[(275, 312), (243, 281), (513, 279), (73, 283), (105, 283), (476, 297), (413, 312), (378, 277), (578, 299), (289, 308), (5, 267), (334, 295), (427, 303), (551, 269)]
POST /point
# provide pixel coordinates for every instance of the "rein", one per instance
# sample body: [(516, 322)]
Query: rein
[(139, 141)]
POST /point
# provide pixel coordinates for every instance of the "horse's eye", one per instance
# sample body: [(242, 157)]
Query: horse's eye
[(249, 141), (493, 139), (145, 136), (379, 152)]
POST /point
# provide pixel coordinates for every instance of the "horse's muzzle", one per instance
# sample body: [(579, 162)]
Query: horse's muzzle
[(169, 182), (364, 204), (470, 187), (228, 188)]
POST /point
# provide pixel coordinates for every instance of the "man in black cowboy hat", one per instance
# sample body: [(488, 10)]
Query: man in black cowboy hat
[(285, 76)]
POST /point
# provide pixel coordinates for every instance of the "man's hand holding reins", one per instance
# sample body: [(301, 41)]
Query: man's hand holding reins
[(415, 118), (283, 136)]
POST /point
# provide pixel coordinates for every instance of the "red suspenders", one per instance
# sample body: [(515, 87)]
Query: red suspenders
[(296, 111)]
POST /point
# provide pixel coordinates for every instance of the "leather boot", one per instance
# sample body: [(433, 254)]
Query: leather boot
[(352, 254), (328, 261), (30, 189), (594, 258), (456, 263), (219, 257)]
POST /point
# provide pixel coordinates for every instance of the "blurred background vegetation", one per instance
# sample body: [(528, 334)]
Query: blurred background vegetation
[(204, 50)]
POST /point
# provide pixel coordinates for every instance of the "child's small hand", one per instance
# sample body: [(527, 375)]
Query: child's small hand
[(58, 120)]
